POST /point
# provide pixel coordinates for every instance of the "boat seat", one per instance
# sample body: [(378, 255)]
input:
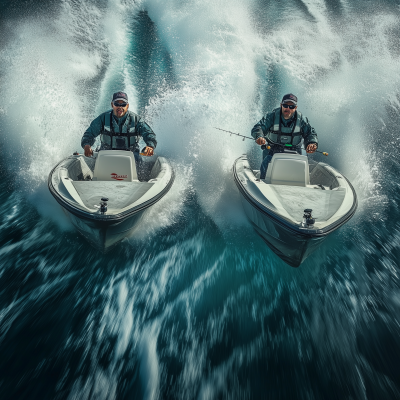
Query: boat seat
[(288, 169), (115, 165)]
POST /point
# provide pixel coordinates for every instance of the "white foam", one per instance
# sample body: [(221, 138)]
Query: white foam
[(213, 55)]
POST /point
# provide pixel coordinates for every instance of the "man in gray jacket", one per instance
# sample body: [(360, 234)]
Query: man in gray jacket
[(284, 125), (119, 129)]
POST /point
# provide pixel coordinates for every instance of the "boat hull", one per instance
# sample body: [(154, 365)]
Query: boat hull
[(292, 248), (104, 235)]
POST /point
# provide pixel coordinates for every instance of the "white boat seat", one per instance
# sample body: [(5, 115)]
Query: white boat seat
[(288, 169), (115, 165)]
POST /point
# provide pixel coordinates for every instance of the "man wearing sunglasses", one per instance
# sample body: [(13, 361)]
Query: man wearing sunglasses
[(284, 125), (120, 129)]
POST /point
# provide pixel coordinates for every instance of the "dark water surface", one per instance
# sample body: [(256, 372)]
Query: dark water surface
[(195, 306)]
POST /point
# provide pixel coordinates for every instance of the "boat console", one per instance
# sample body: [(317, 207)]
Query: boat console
[(115, 165), (288, 169)]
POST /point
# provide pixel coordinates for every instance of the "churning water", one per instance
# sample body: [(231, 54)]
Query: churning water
[(195, 306)]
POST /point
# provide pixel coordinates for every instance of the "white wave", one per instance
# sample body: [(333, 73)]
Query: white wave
[(213, 56)]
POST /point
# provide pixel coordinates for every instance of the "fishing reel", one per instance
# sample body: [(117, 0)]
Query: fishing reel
[(267, 145), (280, 147)]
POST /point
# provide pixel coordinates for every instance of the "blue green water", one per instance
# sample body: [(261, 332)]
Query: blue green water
[(194, 305)]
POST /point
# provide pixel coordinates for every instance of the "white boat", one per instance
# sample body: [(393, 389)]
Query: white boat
[(297, 205), (102, 194)]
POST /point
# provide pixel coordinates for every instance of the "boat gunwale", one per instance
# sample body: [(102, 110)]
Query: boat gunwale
[(282, 222), (103, 217)]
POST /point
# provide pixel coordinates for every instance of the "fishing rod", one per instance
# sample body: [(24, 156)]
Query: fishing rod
[(264, 146), (237, 134)]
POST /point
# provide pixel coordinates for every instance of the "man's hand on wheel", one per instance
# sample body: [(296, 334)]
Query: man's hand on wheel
[(148, 151), (261, 141), (311, 148), (88, 151)]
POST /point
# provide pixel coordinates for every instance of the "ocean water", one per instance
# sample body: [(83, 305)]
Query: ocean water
[(194, 305)]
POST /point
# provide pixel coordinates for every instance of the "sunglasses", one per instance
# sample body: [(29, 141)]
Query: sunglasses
[(287, 106), (120, 104)]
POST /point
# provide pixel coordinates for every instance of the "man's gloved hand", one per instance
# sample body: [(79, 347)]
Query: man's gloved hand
[(88, 151), (261, 141), (311, 148), (147, 151)]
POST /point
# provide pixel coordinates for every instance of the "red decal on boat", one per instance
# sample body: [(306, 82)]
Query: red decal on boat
[(118, 177)]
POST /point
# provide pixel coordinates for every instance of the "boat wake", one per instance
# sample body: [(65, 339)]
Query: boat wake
[(195, 305)]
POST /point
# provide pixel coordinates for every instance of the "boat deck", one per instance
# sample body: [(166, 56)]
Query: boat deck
[(294, 199), (119, 194)]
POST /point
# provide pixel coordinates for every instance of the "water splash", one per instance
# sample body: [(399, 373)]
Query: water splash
[(197, 306)]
